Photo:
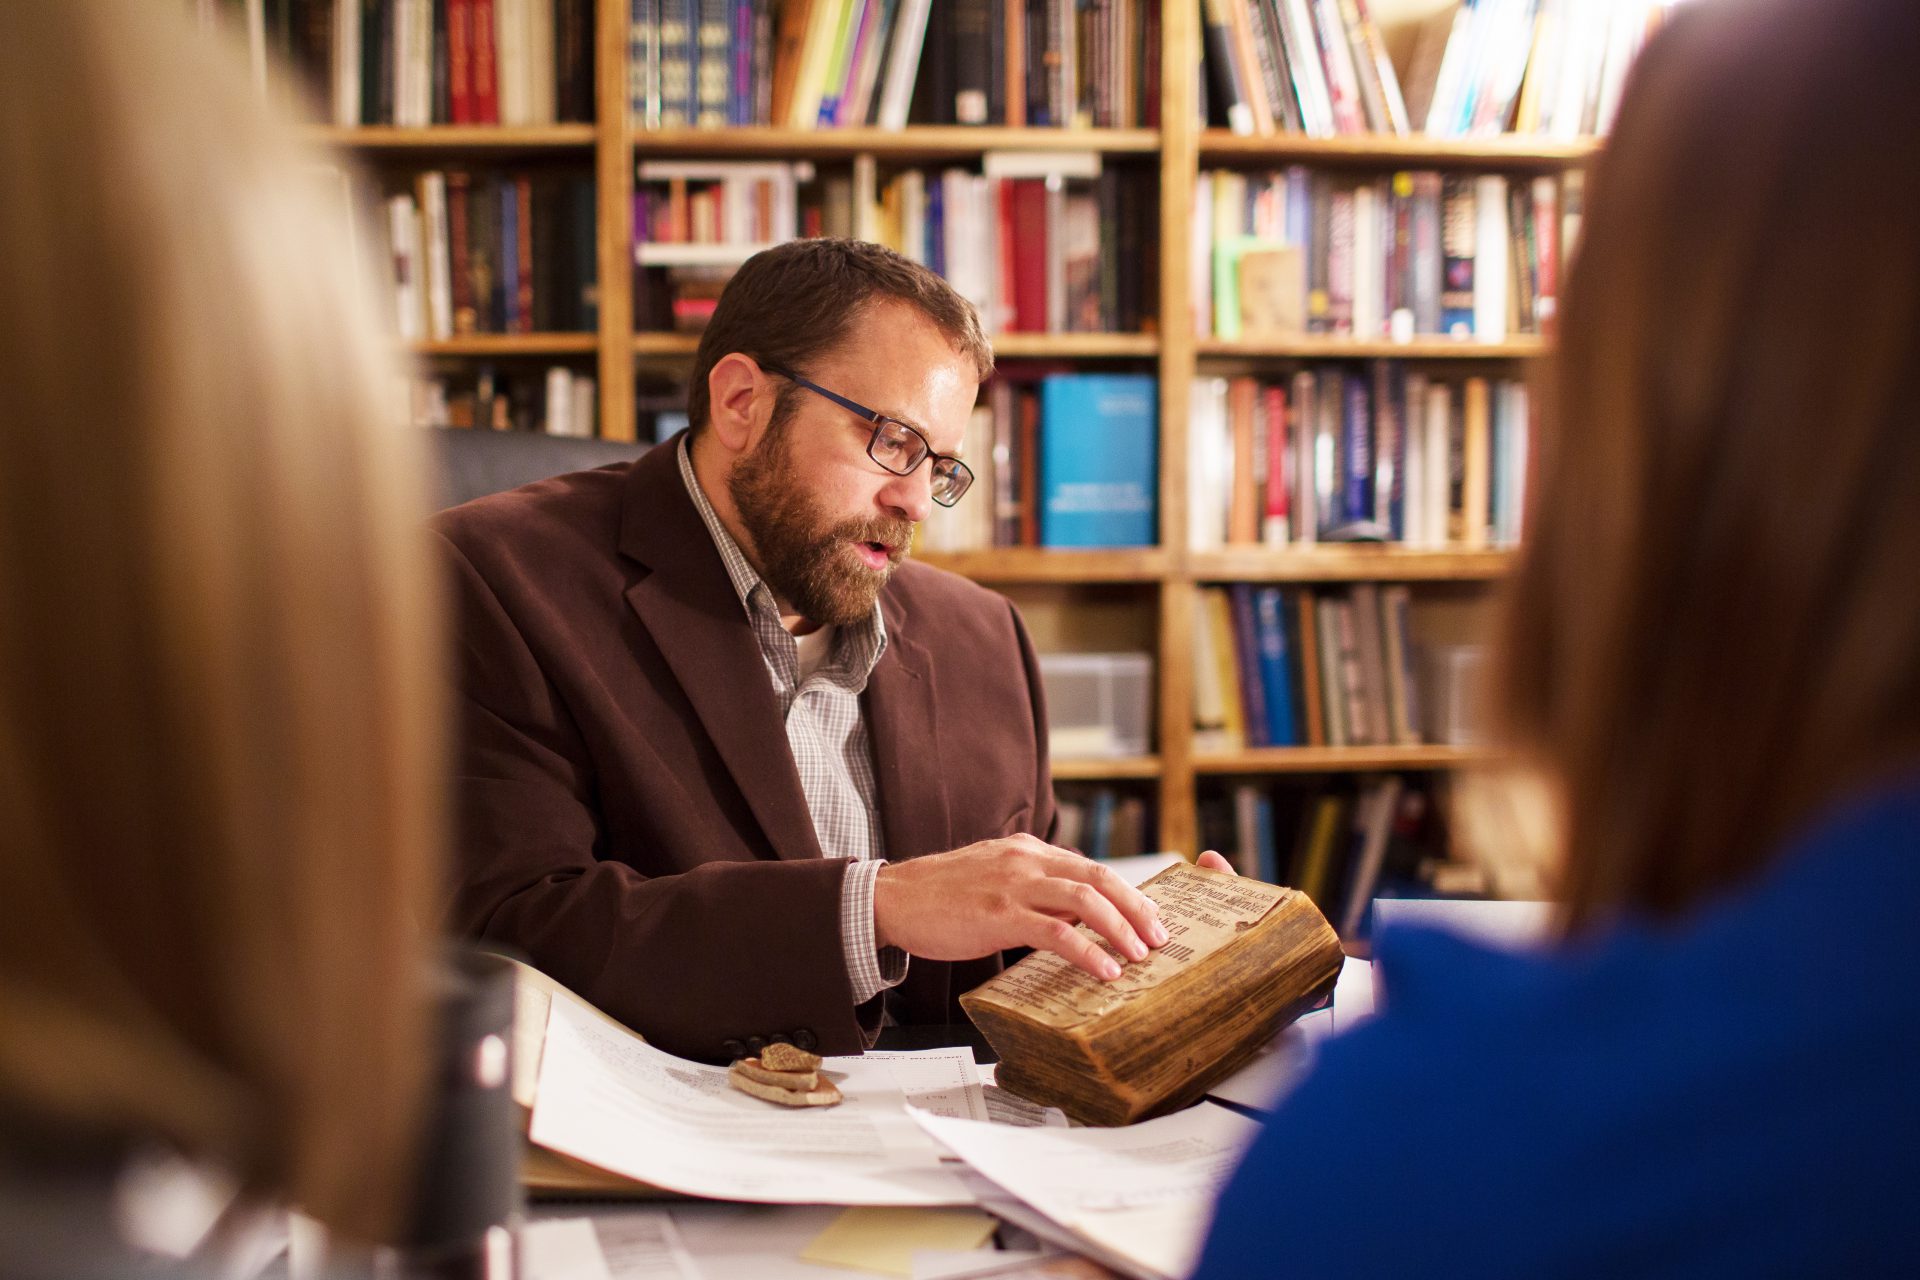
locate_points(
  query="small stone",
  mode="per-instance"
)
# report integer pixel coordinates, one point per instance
(784, 1057)
(798, 1081)
(826, 1095)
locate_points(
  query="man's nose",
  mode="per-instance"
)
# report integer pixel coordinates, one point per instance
(910, 496)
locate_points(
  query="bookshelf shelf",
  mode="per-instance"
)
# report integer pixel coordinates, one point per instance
(1359, 563)
(1304, 348)
(1006, 346)
(509, 344)
(456, 137)
(1338, 759)
(912, 143)
(1498, 151)
(1105, 769)
(1040, 564)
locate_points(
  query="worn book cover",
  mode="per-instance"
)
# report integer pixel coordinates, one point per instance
(1244, 958)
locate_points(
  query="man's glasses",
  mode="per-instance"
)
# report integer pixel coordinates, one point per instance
(898, 446)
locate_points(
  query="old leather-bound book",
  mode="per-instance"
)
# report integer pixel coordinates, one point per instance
(1243, 959)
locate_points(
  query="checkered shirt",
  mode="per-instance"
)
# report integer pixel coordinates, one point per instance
(827, 733)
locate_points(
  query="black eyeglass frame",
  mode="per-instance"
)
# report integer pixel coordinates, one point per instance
(960, 470)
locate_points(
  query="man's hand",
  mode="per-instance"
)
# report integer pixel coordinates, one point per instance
(1013, 892)
(1214, 862)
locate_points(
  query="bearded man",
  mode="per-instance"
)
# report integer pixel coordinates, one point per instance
(730, 766)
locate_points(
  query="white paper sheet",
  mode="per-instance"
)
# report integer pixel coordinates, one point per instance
(1352, 995)
(612, 1100)
(1142, 1195)
(643, 1244)
(562, 1250)
(1276, 1069)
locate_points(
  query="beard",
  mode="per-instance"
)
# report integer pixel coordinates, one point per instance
(809, 559)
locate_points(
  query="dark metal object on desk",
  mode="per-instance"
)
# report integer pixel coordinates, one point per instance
(469, 1185)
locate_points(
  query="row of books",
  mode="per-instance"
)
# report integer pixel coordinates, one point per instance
(1342, 843)
(822, 64)
(1549, 67)
(1316, 67)
(1477, 67)
(557, 401)
(1412, 254)
(1068, 461)
(475, 252)
(1038, 243)
(812, 64)
(415, 63)
(1318, 667)
(1357, 453)
(1032, 63)
(1101, 821)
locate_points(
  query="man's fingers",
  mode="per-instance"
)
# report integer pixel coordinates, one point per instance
(1214, 862)
(1139, 910)
(1076, 948)
(1085, 903)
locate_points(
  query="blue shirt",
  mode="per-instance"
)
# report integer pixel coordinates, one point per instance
(1731, 1095)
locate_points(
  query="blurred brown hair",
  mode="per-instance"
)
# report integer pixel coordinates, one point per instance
(795, 301)
(218, 721)
(1715, 626)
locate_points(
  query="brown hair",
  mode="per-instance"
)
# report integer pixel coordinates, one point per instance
(1713, 629)
(219, 720)
(789, 303)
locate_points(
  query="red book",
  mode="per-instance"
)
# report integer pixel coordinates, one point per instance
(460, 61)
(523, 233)
(1277, 456)
(465, 319)
(1027, 248)
(486, 81)
(1006, 246)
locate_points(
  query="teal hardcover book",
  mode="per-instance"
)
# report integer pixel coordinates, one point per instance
(1099, 460)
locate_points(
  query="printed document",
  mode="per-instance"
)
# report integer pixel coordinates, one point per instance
(607, 1097)
(1138, 1198)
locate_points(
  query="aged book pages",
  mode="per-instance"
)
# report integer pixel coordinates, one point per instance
(1243, 959)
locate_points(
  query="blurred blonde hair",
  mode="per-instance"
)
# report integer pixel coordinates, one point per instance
(219, 726)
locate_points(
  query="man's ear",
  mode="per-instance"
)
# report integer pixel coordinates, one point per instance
(735, 388)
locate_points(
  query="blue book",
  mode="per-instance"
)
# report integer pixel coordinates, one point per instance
(1099, 460)
(1356, 450)
(1246, 657)
(936, 255)
(509, 276)
(1276, 675)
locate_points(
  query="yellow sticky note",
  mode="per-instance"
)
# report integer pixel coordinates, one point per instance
(885, 1239)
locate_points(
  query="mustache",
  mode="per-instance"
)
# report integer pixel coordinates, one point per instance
(892, 534)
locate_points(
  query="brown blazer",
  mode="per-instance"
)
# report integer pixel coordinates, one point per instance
(628, 813)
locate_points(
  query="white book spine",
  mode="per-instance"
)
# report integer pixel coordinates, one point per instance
(1490, 259)
(866, 197)
(1056, 255)
(422, 62)
(913, 214)
(585, 406)
(1369, 266)
(346, 63)
(910, 30)
(403, 232)
(559, 401)
(1438, 462)
(439, 276)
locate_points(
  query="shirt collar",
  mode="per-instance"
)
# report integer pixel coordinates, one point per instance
(859, 645)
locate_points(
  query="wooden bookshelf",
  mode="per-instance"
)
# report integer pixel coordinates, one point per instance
(1507, 152)
(1523, 347)
(1323, 562)
(444, 138)
(1006, 346)
(1338, 759)
(509, 344)
(1105, 769)
(916, 142)
(1163, 580)
(1036, 564)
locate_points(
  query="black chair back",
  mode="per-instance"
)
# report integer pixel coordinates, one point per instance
(473, 463)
